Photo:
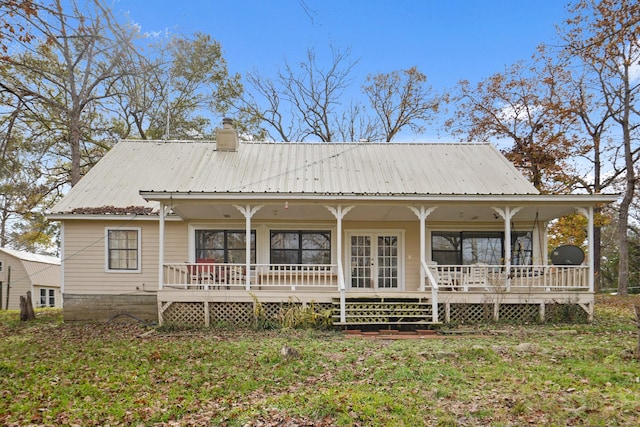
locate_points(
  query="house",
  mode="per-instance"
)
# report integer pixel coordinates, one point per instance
(23, 271)
(380, 233)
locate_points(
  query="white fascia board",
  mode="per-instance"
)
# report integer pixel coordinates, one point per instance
(97, 217)
(435, 198)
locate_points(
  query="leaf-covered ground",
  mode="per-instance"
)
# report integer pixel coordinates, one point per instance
(499, 375)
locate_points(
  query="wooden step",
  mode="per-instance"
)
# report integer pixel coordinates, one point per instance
(381, 311)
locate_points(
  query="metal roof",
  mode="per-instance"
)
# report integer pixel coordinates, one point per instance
(359, 169)
(28, 256)
(42, 270)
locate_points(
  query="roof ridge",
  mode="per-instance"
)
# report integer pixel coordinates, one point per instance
(312, 143)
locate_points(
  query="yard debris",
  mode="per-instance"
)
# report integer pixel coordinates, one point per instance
(526, 348)
(289, 352)
(147, 333)
(103, 210)
(277, 419)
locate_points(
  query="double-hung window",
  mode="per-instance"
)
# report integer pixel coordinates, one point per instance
(47, 297)
(123, 250)
(300, 247)
(224, 246)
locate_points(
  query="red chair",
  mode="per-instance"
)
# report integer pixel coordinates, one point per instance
(204, 273)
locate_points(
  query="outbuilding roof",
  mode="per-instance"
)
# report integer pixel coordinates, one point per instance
(358, 169)
(42, 270)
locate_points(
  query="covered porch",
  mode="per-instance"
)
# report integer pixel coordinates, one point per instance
(363, 272)
(451, 293)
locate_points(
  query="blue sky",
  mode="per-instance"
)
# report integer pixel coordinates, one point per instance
(448, 40)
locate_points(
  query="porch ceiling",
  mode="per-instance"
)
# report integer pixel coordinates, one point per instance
(284, 210)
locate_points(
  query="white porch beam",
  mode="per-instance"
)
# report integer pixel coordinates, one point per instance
(588, 212)
(339, 213)
(248, 213)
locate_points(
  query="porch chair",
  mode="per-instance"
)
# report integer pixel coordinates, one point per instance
(201, 274)
(444, 280)
(477, 277)
(236, 275)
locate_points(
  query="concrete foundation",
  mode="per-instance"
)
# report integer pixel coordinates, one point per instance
(101, 308)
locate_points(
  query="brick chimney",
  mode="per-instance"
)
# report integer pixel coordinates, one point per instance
(226, 137)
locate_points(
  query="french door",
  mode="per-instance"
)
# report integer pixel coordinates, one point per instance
(374, 260)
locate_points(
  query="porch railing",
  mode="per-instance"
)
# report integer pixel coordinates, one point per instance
(262, 276)
(519, 278)
(479, 277)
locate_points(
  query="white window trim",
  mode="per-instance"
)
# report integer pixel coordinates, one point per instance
(48, 291)
(218, 225)
(263, 235)
(269, 227)
(106, 249)
(401, 256)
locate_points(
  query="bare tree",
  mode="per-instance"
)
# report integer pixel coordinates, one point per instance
(173, 91)
(70, 68)
(605, 36)
(304, 101)
(401, 99)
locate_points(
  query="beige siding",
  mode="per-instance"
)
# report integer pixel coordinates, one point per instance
(176, 242)
(19, 282)
(85, 263)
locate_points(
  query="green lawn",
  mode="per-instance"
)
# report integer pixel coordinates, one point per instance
(107, 374)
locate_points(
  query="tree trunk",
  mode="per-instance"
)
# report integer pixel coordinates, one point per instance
(637, 313)
(630, 185)
(26, 308)
(597, 256)
(74, 142)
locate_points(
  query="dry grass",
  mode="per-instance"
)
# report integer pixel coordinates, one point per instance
(126, 374)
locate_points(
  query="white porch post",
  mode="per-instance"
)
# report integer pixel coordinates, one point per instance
(248, 212)
(590, 248)
(162, 213)
(507, 214)
(339, 212)
(422, 215)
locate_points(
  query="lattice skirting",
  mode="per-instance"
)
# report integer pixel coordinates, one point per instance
(246, 313)
(470, 313)
(235, 313)
(185, 313)
(565, 313)
(512, 313)
(519, 313)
